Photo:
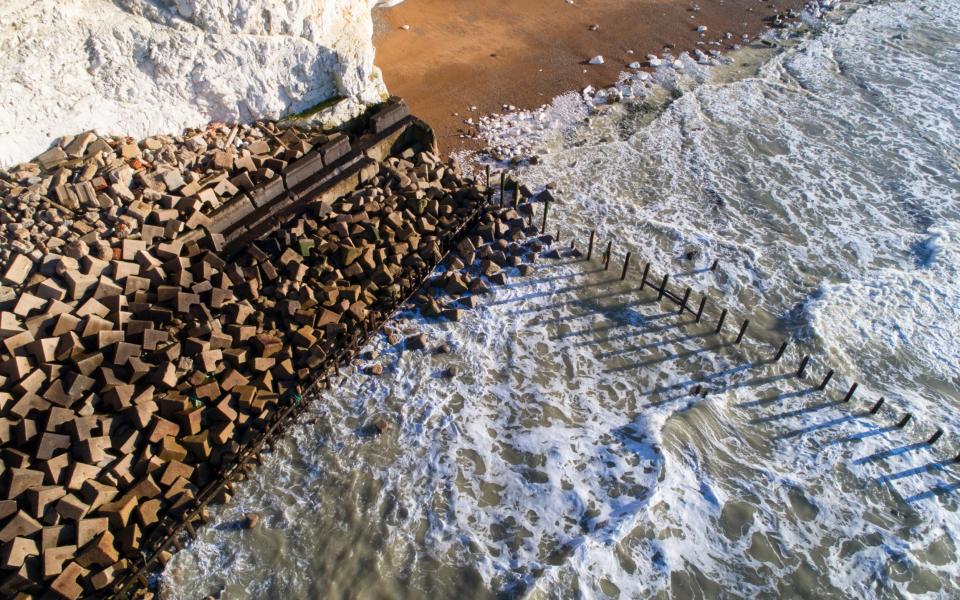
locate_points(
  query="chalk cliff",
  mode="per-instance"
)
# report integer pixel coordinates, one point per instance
(139, 67)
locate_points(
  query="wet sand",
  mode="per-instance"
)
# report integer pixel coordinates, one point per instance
(487, 53)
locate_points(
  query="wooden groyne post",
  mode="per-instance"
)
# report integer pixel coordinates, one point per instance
(780, 351)
(723, 317)
(850, 392)
(663, 287)
(826, 380)
(743, 330)
(703, 304)
(683, 303)
(803, 366)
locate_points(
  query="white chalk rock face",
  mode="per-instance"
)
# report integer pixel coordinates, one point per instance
(140, 67)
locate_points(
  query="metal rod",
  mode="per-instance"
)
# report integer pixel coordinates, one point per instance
(503, 177)
(488, 175)
(803, 366)
(853, 388)
(780, 351)
(876, 406)
(743, 330)
(903, 422)
(593, 234)
(936, 436)
(826, 380)
(663, 286)
(626, 264)
(723, 317)
(683, 303)
(606, 255)
(703, 303)
(546, 209)
(646, 271)
(558, 234)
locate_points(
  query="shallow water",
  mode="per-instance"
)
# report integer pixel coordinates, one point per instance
(571, 456)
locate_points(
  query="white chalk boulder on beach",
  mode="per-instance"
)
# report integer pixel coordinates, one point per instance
(634, 65)
(596, 60)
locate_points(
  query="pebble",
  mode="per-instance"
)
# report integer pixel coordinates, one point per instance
(251, 520)
(380, 425)
(376, 369)
(417, 342)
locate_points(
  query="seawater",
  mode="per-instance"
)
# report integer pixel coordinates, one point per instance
(570, 457)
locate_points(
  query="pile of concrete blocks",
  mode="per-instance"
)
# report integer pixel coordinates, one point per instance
(134, 367)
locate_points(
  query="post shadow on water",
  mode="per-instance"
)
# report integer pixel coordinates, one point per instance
(564, 303)
(940, 489)
(776, 397)
(892, 452)
(934, 466)
(640, 348)
(536, 281)
(796, 412)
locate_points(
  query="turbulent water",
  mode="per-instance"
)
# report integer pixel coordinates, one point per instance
(572, 455)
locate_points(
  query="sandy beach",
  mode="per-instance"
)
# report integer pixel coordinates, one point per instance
(488, 53)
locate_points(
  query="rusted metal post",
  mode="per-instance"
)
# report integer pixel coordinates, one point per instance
(723, 317)
(803, 366)
(850, 392)
(626, 265)
(606, 256)
(488, 175)
(703, 304)
(936, 436)
(646, 271)
(558, 235)
(683, 304)
(546, 208)
(593, 234)
(876, 407)
(826, 380)
(663, 286)
(780, 351)
(743, 330)
(503, 180)
(903, 422)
